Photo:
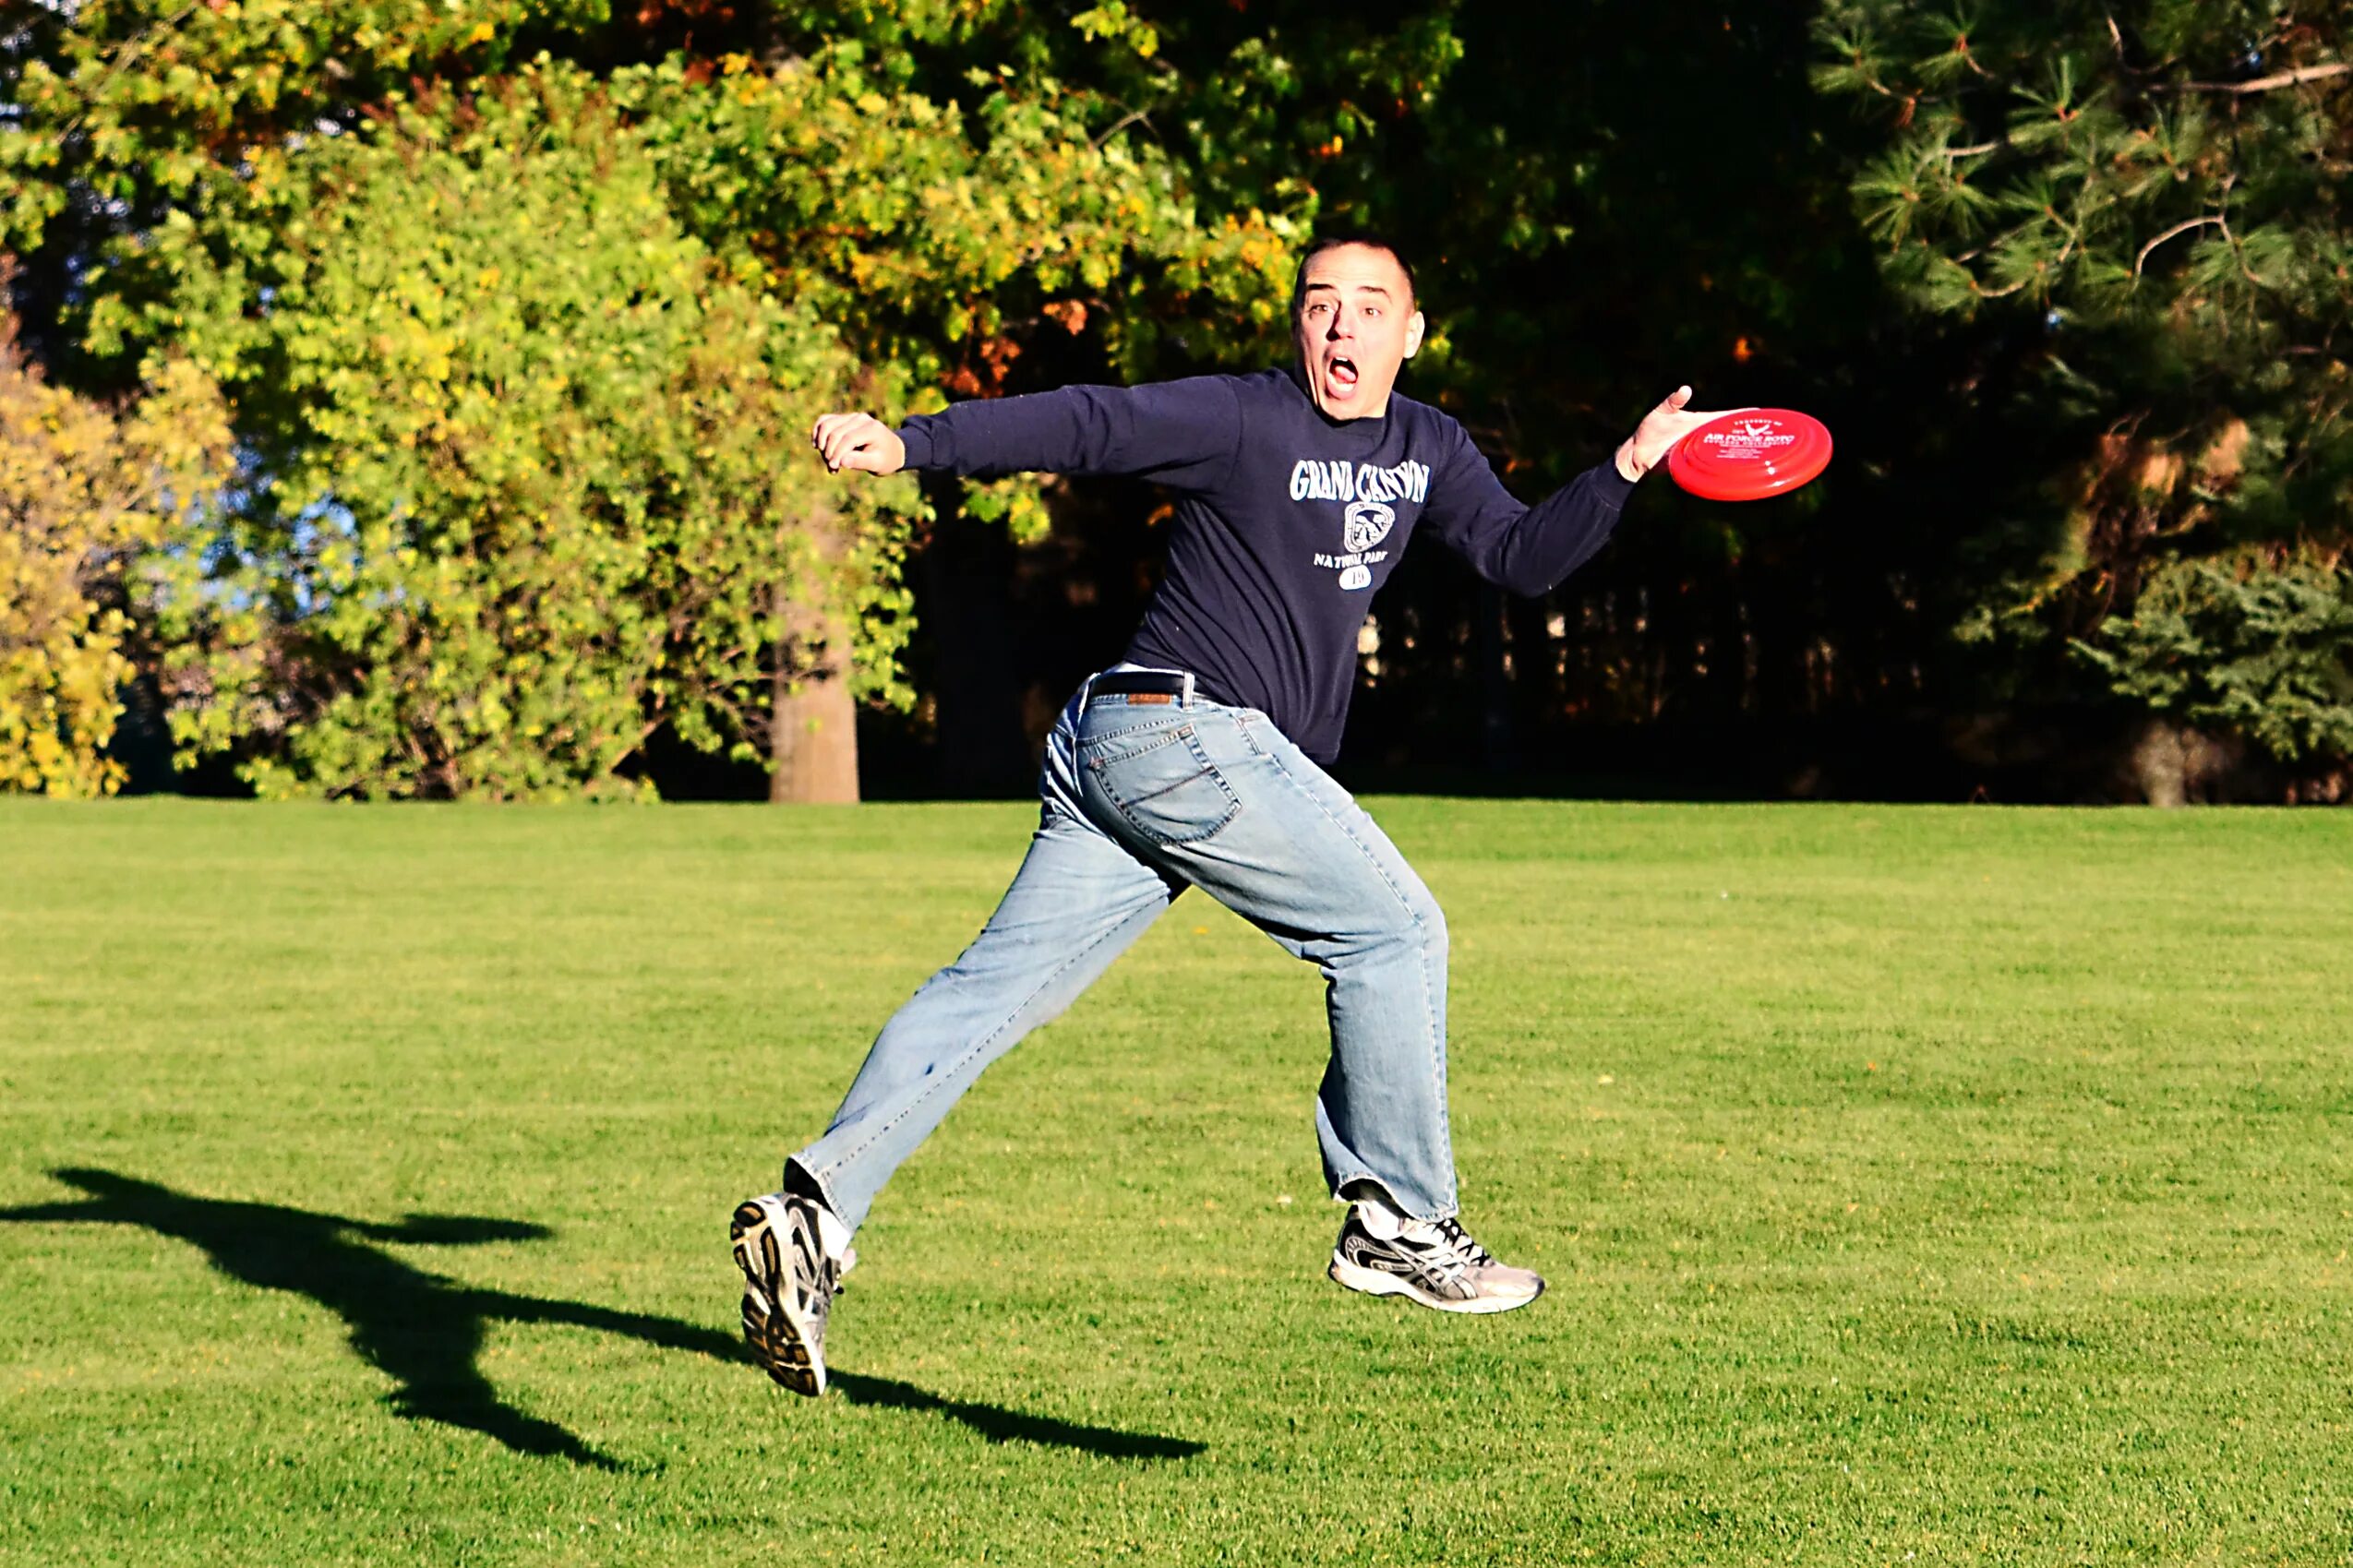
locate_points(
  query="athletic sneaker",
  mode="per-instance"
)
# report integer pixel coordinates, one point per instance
(790, 1286)
(1435, 1263)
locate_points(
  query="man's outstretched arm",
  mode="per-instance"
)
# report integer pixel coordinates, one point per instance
(1529, 549)
(1180, 433)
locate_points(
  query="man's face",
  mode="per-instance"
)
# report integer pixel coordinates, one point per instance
(1355, 325)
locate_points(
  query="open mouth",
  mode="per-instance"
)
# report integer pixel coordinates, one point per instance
(1341, 373)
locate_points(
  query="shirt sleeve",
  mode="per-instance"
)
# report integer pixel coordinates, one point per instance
(1184, 434)
(1525, 549)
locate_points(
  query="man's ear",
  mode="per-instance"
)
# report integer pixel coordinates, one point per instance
(1413, 330)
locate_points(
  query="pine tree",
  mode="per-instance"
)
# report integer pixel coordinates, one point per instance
(2145, 214)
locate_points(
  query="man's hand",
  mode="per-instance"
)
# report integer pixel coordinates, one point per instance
(1660, 428)
(859, 442)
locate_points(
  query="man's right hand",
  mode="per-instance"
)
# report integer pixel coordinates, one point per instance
(859, 442)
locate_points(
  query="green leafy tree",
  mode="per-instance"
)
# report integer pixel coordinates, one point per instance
(2266, 653)
(524, 499)
(2142, 212)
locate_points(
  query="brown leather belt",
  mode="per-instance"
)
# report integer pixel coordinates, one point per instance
(1143, 686)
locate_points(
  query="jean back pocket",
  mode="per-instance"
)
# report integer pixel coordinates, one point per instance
(1162, 784)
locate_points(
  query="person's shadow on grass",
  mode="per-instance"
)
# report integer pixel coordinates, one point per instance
(425, 1331)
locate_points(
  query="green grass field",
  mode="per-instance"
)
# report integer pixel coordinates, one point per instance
(1916, 1185)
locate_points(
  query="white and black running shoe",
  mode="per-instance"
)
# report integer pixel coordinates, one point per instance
(1435, 1263)
(790, 1286)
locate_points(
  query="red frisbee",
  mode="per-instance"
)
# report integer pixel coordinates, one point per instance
(1750, 455)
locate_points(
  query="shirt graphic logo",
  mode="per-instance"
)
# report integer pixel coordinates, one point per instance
(1339, 480)
(1365, 524)
(1367, 516)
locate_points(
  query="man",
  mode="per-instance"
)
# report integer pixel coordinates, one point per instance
(1196, 762)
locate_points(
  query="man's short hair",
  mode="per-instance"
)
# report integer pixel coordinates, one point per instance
(1364, 237)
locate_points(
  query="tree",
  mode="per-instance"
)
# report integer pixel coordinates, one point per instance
(85, 494)
(170, 184)
(2142, 213)
(524, 502)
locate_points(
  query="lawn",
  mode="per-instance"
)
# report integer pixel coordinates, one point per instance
(1923, 1186)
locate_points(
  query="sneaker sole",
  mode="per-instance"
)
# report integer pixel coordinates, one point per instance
(1373, 1282)
(777, 1333)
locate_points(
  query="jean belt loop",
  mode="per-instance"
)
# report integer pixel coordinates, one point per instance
(1188, 689)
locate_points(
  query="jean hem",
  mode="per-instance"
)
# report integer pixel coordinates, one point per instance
(1360, 1173)
(804, 1181)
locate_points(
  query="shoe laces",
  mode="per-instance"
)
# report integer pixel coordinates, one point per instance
(1448, 1246)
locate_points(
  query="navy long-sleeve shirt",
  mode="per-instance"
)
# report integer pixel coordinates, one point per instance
(1286, 524)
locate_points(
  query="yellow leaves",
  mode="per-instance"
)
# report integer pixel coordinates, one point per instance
(1114, 21)
(86, 494)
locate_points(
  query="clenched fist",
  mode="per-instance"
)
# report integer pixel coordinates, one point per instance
(859, 442)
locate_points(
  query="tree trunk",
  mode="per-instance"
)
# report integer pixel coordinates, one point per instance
(2174, 765)
(813, 724)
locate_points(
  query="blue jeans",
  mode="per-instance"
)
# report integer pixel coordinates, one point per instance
(1145, 797)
